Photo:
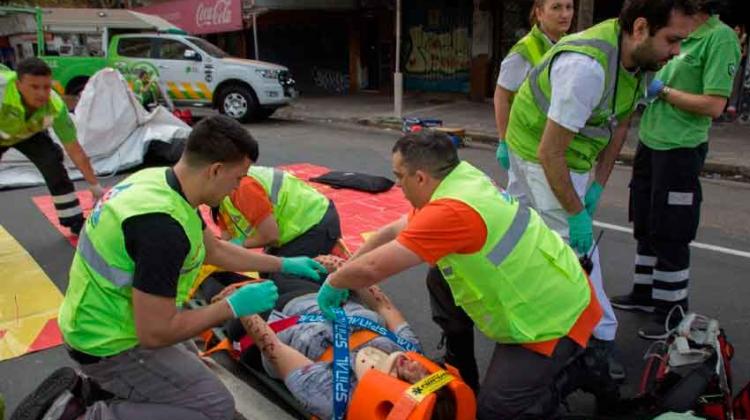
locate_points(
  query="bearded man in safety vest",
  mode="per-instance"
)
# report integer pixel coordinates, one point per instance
(29, 107)
(515, 278)
(137, 260)
(571, 116)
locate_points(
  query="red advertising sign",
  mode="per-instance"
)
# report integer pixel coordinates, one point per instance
(199, 16)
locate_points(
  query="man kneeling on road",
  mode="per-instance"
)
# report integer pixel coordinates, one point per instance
(513, 276)
(137, 259)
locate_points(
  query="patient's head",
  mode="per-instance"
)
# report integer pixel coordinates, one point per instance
(406, 369)
(399, 365)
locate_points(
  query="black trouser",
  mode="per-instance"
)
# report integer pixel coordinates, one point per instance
(665, 199)
(48, 158)
(458, 328)
(318, 240)
(519, 382)
(523, 384)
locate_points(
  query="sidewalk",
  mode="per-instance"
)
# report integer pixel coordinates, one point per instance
(729, 147)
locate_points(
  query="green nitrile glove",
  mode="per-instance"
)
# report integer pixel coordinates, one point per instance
(303, 267)
(502, 155)
(253, 298)
(581, 232)
(593, 194)
(330, 297)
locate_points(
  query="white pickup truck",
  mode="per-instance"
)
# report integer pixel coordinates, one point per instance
(195, 72)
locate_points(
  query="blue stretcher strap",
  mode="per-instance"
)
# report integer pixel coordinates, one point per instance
(368, 324)
(341, 364)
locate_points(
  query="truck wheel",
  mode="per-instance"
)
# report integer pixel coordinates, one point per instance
(238, 102)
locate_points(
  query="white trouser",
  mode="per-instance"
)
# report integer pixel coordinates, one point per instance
(528, 184)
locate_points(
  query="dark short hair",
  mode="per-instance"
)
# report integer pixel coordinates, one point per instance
(656, 12)
(428, 150)
(219, 139)
(33, 66)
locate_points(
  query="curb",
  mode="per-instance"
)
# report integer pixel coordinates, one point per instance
(626, 156)
(735, 172)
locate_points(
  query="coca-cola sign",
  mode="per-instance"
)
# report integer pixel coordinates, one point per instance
(200, 16)
(218, 13)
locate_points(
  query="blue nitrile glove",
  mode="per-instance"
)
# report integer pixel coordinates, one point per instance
(654, 89)
(593, 194)
(581, 232)
(238, 241)
(253, 298)
(502, 155)
(303, 267)
(330, 297)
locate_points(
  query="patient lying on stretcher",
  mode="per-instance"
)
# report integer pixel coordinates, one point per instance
(300, 356)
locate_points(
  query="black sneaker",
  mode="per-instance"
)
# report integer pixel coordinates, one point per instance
(633, 302)
(56, 391)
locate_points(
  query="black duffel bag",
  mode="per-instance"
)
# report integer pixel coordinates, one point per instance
(355, 180)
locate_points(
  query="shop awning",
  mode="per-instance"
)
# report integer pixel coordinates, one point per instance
(72, 20)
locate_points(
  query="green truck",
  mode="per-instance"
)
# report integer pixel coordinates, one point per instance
(76, 43)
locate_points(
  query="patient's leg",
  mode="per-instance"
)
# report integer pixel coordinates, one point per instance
(282, 357)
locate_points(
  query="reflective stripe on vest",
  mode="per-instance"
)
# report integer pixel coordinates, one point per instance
(512, 237)
(277, 180)
(594, 131)
(114, 275)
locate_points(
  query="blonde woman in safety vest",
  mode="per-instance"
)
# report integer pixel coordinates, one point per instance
(550, 20)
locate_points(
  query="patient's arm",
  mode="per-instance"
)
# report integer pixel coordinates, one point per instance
(374, 298)
(284, 358)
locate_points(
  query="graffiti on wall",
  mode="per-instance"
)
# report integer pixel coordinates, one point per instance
(439, 53)
(330, 80)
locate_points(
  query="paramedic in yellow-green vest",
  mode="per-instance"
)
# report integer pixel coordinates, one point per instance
(274, 209)
(550, 20)
(137, 259)
(571, 117)
(29, 107)
(665, 190)
(516, 279)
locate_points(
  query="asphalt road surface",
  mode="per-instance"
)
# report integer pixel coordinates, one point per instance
(719, 271)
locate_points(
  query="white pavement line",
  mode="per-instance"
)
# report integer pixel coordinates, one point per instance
(699, 245)
(247, 401)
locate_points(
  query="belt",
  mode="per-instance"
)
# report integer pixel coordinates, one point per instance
(83, 358)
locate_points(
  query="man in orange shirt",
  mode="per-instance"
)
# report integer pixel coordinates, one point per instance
(274, 209)
(505, 272)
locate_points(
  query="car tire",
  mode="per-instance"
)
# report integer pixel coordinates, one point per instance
(238, 102)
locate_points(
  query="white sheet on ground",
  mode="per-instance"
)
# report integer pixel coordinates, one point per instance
(113, 128)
